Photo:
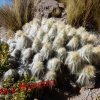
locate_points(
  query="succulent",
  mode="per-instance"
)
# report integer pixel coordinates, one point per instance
(10, 74)
(37, 69)
(87, 75)
(55, 44)
(26, 55)
(46, 47)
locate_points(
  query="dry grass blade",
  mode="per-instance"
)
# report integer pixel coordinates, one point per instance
(16, 15)
(82, 12)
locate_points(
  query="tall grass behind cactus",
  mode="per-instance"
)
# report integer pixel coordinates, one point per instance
(79, 12)
(16, 15)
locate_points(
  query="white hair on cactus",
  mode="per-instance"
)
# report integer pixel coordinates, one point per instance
(40, 34)
(37, 69)
(33, 30)
(36, 45)
(35, 20)
(67, 28)
(84, 38)
(58, 42)
(92, 39)
(62, 54)
(54, 64)
(46, 51)
(62, 34)
(12, 46)
(73, 61)
(86, 52)
(10, 74)
(23, 42)
(50, 75)
(10, 41)
(26, 55)
(46, 27)
(80, 30)
(18, 34)
(96, 50)
(21, 71)
(87, 75)
(37, 57)
(15, 53)
(73, 43)
(71, 33)
(26, 28)
(96, 54)
(44, 20)
(52, 32)
(46, 39)
(60, 26)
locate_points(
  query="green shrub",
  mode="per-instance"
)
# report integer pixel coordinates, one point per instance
(4, 64)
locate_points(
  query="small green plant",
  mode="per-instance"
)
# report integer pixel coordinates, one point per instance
(4, 64)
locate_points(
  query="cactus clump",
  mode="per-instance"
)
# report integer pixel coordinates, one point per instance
(46, 49)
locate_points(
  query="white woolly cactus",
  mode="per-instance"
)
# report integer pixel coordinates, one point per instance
(92, 39)
(86, 52)
(36, 46)
(67, 28)
(73, 43)
(54, 64)
(23, 42)
(34, 28)
(26, 55)
(58, 42)
(9, 75)
(71, 33)
(18, 34)
(74, 62)
(15, 53)
(38, 57)
(50, 75)
(96, 54)
(60, 26)
(46, 51)
(53, 44)
(80, 30)
(84, 38)
(87, 75)
(44, 20)
(62, 54)
(47, 25)
(52, 32)
(26, 28)
(37, 69)
(40, 34)
(46, 39)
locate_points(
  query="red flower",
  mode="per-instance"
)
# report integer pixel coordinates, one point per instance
(33, 85)
(13, 89)
(1, 90)
(22, 86)
(40, 84)
(45, 83)
(5, 91)
(52, 83)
